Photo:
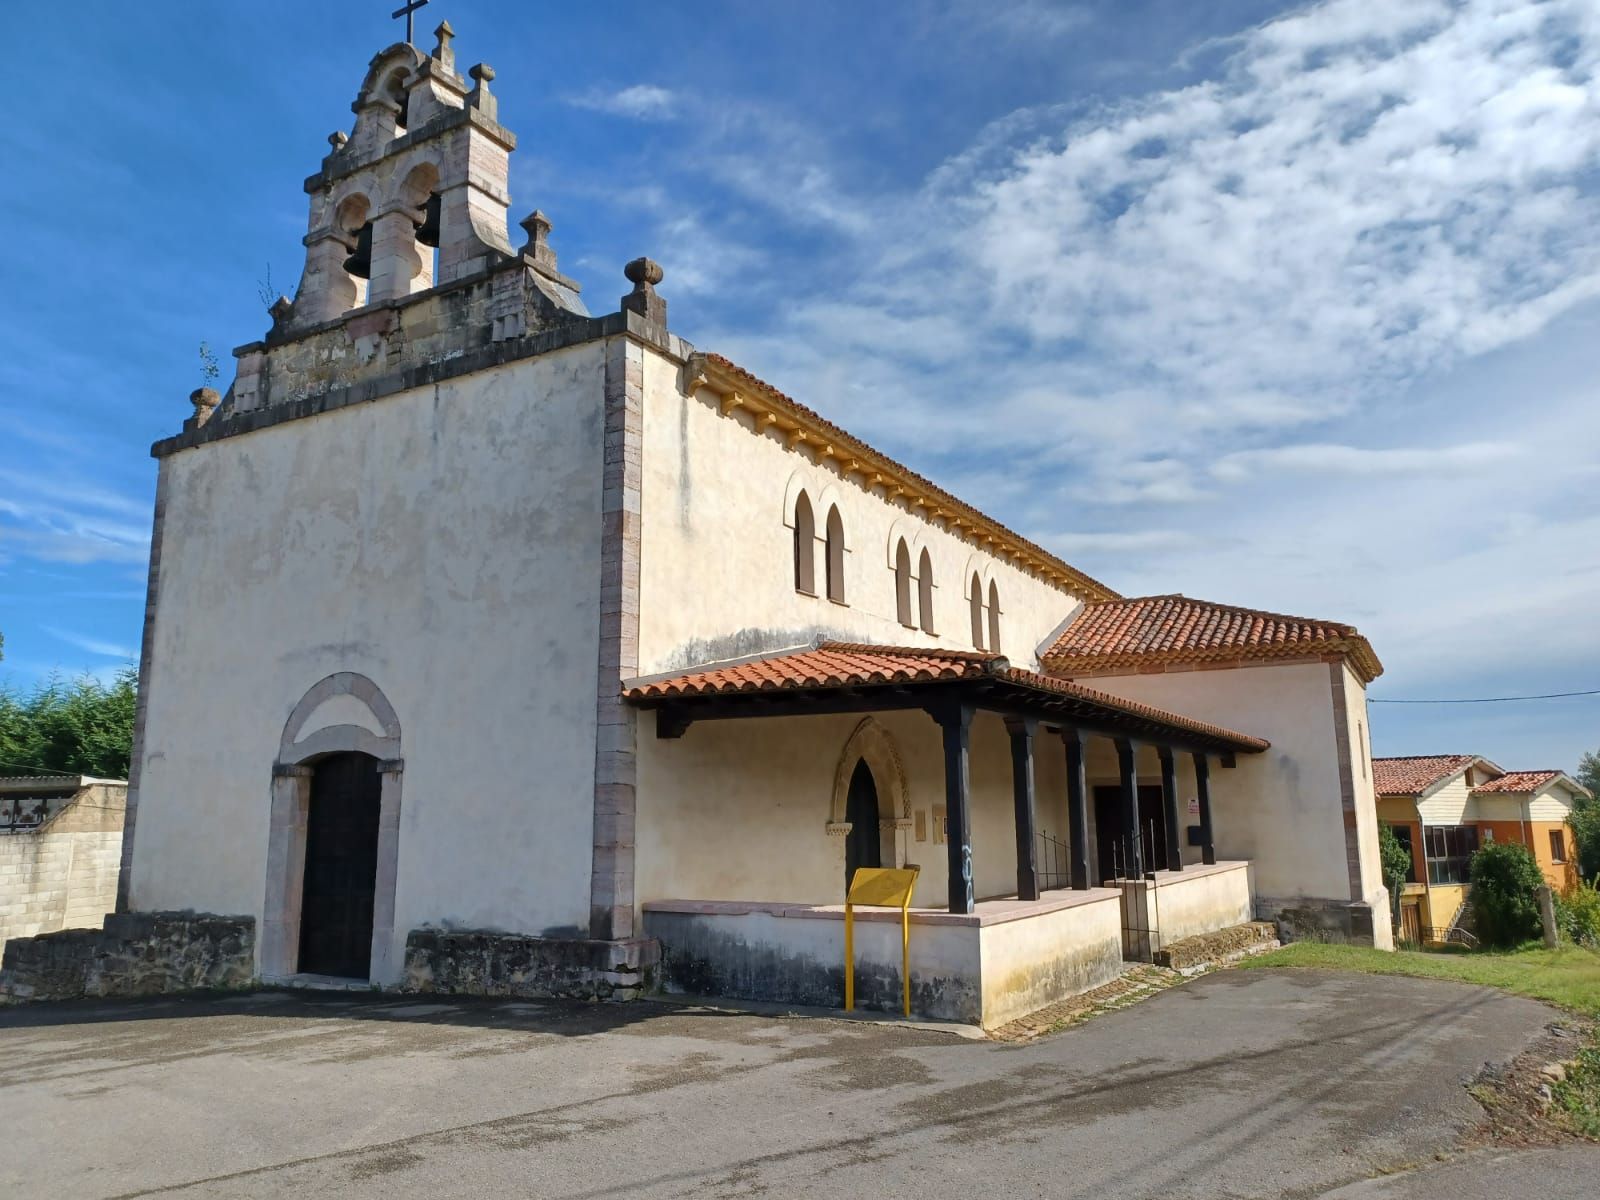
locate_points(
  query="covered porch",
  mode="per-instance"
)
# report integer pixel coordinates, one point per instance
(1091, 817)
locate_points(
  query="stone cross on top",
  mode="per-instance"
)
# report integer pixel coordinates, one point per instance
(405, 10)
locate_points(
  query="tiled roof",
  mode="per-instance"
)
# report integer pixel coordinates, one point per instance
(832, 665)
(1412, 776)
(1157, 630)
(929, 496)
(1518, 781)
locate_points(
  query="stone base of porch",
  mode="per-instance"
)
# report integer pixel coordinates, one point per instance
(1008, 958)
(488, 963)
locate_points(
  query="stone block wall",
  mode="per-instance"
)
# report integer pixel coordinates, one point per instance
(63, 873)
(505, 964)
(135, 954)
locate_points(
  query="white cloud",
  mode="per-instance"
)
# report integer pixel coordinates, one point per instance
(1467, 461)
(92, 645)
(640, 101)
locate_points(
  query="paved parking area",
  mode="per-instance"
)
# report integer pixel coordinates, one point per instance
(1239, 1084)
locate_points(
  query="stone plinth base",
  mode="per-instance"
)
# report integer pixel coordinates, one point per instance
(135, 954)
(508, 964)
(1307, 919)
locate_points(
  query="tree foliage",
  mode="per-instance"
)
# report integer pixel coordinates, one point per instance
(1505, 893)
(1396, 859)
(81, 727)
(1584, 819)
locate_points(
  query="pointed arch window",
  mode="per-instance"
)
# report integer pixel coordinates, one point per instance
(977, 611)
(902, 585)
(925, 591)
(805, 547)
(835, 556)
(994, 618)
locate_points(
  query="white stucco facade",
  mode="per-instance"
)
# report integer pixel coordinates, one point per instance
(444, 543)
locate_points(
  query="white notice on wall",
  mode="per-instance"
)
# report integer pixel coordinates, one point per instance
(1194, 806)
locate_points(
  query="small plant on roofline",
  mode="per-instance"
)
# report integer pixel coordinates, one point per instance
(209, 371)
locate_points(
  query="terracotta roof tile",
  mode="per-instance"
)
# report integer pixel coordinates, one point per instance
(1149, 630)
(1085, 585)
(1414, 775)
(849, 664)
(1518, 781)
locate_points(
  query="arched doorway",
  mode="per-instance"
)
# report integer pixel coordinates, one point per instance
(863, 845)
(341, 866)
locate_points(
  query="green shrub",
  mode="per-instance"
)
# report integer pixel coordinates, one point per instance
(1578, 915)
(1505, 894)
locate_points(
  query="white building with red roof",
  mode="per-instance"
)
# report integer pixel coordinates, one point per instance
(494, 646)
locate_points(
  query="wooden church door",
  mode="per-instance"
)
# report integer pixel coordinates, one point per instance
(341, 867)
(863, 846)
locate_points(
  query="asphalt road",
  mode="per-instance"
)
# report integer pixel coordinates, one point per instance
(1239, 1084)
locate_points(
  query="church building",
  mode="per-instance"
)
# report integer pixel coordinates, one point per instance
(494, 646)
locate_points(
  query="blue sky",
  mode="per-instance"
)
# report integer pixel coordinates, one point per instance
(1292, 306)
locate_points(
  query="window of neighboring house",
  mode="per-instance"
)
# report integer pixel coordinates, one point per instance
(994, 618)
(1449, 852)
(902, 585)
(977, 611)
(925, 591)
(805, 547)
(1402, 834)
(1558, 846)
(835, 553)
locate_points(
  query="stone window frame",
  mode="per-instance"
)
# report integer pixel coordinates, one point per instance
(805, 545)
(925, 592)
(902, 585)
(291, 798)
(975, 605)
(994, 616)
(833, 551)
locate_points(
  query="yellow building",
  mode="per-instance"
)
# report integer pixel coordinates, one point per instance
(1443, 807)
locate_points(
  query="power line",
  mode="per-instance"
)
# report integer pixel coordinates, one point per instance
(1489, 699)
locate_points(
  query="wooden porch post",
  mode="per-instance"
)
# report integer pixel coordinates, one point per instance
(1169, 808)
(1077, 809)
(1202, 785)
(1126, 754)
(1022, 730)
(956, 722)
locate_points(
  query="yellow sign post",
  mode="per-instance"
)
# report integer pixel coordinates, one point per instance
(879, 887)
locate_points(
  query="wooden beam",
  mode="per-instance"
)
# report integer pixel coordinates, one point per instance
(1022, 735)
(1077, 809)
(956, 724)
(1202, 786)
(1169, 807)
(1133, 844)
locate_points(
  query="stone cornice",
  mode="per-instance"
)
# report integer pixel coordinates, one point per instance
(576, 332)
(799, 426)
(342, 163)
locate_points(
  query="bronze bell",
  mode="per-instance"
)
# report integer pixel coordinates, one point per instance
(359, 263)
(428, 231)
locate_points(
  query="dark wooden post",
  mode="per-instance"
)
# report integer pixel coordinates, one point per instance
(1202, 791)
(1127, 752)
(1022, 730)
(1077, 809)
(1169, 808)
(956, 722)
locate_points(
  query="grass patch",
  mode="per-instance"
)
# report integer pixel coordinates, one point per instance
(1568, 977)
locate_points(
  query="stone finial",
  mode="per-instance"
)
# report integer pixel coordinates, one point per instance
(442, 51)
(280, 312)
(538, 248)
(205, 401)
(479, 97)
(337, 139)
(644, 274)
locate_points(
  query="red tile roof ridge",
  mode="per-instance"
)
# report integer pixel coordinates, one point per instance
(1518, 781)
(1092, 586)
(1243, 609)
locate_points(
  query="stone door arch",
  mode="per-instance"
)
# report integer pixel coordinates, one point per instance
(345, 712)
(871, 743)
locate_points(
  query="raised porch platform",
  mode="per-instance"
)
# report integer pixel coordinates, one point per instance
(1004, 959)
